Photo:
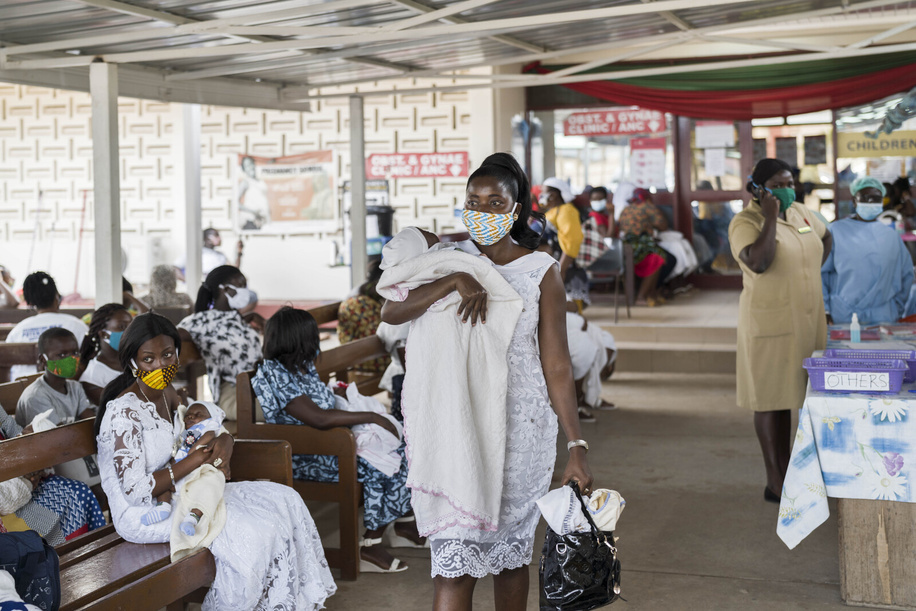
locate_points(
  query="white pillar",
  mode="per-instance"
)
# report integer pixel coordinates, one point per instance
(106, 186)
(359, 259)
(187, 190)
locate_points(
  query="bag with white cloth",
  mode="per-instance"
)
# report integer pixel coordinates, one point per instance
(685, 258)
(579, 568)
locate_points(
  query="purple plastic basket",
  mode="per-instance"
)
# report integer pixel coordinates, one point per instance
(904, 355)
(820, 367)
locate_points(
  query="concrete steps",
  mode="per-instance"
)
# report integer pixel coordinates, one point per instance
(675, 349)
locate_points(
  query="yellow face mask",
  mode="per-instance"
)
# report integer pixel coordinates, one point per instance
(158, 379)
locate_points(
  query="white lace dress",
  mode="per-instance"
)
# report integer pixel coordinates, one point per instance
(530, 447)
(269, 554)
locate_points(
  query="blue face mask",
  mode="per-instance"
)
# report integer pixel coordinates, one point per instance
(114, 339)
(868, 212)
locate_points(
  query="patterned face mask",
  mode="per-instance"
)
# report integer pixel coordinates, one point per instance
(158, 379)
(488, 228)
(63, 368)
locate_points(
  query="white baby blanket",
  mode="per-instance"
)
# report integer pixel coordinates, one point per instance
(374, 443)
(454, 397)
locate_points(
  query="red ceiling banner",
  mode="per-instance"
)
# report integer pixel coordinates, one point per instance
(746, 104)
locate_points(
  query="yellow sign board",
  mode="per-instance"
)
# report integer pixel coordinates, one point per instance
(857, 144)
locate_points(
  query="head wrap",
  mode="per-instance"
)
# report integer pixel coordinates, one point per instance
(867, 182)
(639, 195)
(561, 186)
(407, 244)
(765, 170)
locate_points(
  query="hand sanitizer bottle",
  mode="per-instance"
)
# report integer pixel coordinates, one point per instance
(855, 331)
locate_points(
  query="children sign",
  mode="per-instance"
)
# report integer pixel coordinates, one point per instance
(417, 165)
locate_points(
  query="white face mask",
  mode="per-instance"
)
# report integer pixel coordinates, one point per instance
(242, 297)
(599, 204)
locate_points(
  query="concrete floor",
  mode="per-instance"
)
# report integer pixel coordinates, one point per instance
(696, 533)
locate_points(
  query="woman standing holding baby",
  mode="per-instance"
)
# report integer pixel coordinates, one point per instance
(497, 208)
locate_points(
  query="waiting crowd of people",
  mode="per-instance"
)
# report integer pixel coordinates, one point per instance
(527, 269)
(161, 455)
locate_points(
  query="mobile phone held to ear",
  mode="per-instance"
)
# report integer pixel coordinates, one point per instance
(760, 190)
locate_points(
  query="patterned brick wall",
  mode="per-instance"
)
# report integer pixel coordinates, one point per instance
(45, 146)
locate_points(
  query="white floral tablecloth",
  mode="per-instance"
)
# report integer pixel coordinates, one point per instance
(852, 446)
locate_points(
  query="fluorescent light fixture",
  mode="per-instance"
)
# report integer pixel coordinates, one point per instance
(822, 116)
(767, 122)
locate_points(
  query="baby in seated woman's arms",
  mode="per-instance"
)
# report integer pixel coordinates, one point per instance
(202, 424)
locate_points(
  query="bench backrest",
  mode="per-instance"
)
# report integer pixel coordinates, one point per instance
(27, 453)
(17, 315)
(11, 391)
(326, 313)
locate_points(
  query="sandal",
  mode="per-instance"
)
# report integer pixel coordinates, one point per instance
(393, 539)
(367, 566)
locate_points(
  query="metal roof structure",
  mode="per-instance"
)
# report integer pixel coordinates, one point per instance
(284, 53)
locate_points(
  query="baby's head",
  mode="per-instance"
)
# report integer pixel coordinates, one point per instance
(199, 411)
(407, 244)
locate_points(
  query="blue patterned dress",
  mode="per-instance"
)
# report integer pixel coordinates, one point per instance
(384, 498)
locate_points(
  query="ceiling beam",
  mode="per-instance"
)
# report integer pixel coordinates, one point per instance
(470, 29)
(672, 19)
(605, 61)
(539, 80)
(532, 57)
(429, 14)
(903, 27)
(511, 41)
(774, 44)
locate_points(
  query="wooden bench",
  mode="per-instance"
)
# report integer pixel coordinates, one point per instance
(101, 571)
(175, 314)
(339, 442)
(16, 354)
(11, 391)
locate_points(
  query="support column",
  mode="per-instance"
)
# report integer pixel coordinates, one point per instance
(106, 185)
(359, 259)
(549, 149)
(187, 190)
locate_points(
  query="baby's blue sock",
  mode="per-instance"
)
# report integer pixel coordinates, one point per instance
(189, 525)
(157, 514)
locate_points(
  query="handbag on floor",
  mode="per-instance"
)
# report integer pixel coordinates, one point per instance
(579, 571)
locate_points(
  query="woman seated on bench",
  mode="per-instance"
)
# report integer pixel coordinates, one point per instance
(99, 350)
(290, 392)
(269, 554)
(56, 507)
(228, 343)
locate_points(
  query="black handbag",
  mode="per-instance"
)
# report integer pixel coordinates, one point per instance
(579, 571)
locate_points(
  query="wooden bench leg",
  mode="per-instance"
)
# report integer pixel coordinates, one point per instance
(349, 531)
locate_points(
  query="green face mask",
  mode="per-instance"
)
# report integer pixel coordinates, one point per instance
(785, 196)
(63, 368)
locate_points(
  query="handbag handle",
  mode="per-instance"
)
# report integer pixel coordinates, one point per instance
(588, 516)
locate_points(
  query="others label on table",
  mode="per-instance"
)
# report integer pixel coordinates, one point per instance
(862, 381)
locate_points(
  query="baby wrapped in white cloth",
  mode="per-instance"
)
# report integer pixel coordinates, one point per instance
(199, 494)
(455, 385)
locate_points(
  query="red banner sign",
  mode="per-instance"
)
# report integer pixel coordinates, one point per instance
(417, 165)
(615, 122)
(641, 144)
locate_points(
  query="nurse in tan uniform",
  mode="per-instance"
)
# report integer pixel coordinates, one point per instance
(780, 246)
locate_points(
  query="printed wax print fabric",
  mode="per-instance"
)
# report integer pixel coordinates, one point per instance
(359, 317)
(73, 501)
(228, 344)
(852, 446)
(640, 218)
(384, 498)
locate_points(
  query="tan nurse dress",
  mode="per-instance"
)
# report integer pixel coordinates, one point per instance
(781, 316)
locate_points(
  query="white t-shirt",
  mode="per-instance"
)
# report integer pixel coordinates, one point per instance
(210, 259)
(32, 327)
(98, 374)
